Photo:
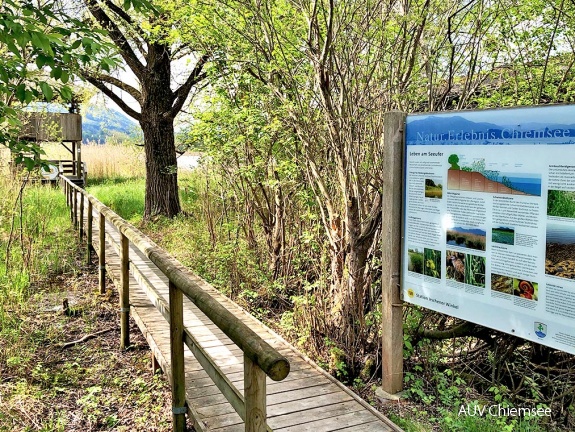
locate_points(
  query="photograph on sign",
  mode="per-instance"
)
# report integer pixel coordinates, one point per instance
(489, 219)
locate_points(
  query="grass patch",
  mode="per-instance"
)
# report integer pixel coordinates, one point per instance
(89, 386)
(463, 238)
(561, 203)
(124, 196)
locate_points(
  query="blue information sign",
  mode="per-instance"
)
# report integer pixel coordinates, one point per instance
(489, 221)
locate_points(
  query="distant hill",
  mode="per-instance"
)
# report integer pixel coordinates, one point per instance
(99, 123)
(475, 231)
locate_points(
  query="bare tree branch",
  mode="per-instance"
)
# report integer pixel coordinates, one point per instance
(110, 93)
(136, 29)
(135, 93)
(182, 93)
(118, 37)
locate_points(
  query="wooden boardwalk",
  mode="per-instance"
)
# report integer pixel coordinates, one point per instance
(309, 399)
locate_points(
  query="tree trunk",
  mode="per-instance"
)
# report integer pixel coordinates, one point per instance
(161, 168)
(157, 124)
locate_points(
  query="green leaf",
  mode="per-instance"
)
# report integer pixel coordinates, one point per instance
(57, 73)
(64, 77)
(39, 40)
(76, 44)
(29, 163)
(4, 76)
(14, 50)
(20, 92)
(66, 93)
(28, 96)
(46, 90)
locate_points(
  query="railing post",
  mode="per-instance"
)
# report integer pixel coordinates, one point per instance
(124, 292)
(70, 203)
(65, 184)
(177, 355)
(81, 221)
(254, 396)
(75, 197)
(102, 254)
(89, 223)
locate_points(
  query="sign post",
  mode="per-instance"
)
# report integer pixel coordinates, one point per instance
(392, 310)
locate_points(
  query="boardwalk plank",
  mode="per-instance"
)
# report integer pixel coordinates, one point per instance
(353, 419)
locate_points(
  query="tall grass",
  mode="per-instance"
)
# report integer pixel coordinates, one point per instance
(561, 203)
(36, 245)
(35, 235)
(104, 162)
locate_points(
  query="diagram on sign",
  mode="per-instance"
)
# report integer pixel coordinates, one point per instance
(476, 178)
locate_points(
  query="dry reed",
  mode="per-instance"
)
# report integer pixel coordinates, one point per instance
(105, 161)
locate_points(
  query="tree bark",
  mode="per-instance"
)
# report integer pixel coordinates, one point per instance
(158, 127)
(161, 168)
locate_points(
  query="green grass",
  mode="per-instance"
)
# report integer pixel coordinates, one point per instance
(90, 386)
(124, 196)
(415, 262)
(214, 252)
(475, 270)
(39, 236)
(561, 203)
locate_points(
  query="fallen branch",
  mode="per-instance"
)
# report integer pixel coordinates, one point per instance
(86, 338)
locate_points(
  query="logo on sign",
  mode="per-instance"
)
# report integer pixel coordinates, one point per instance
(410, 293)
(540, 329)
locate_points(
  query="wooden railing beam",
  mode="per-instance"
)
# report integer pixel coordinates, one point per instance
(75, 208)
(81, 219)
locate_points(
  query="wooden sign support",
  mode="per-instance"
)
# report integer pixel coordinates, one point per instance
(392, 308)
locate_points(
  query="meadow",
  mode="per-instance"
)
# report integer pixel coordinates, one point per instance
(415, 260)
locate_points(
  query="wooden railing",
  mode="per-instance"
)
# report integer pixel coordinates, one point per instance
(260, 359)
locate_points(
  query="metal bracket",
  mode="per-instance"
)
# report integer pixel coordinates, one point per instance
(102, 267)
(180, 410)
(125, 309)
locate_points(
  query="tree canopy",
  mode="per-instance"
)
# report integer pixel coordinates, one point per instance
(40, 57)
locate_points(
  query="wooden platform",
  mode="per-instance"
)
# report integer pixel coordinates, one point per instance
(307, 400)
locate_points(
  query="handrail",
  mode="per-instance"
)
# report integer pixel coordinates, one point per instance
(258, 354)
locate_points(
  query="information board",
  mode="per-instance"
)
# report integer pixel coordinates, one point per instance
(489, 219)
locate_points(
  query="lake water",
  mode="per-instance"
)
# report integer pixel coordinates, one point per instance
(559, 233)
